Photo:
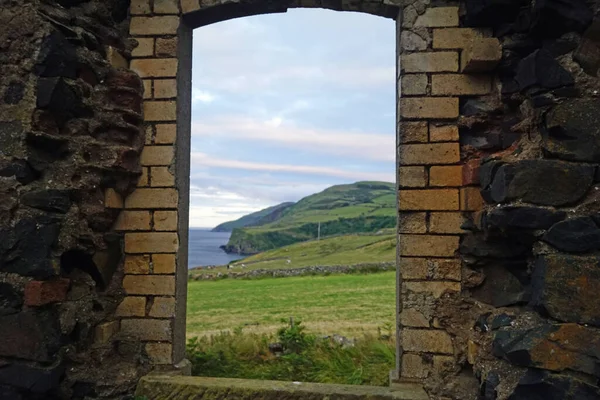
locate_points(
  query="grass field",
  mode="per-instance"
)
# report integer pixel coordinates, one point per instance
(341, 250)
(349, 305)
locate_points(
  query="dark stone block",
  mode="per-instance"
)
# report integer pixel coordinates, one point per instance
(48, 200)
(61, 99)
(500, 288)
(553, 18)
(541, 385)
(10, 134)
(488, 387)
(578, 235)
(541, 70)
(30, 335)
(492, 13)
(566, 287)
(542, 182)
(588, 52)
(21, 170)
(57, 57)
(572, 130)
(10, 300)
(502, 321)
(25, 249)
(482, 322)
(478, 246)
(518, 218)
(36, 380)
(14, 92)
(554, 347)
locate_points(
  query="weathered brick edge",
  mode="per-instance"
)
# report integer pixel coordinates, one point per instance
(432, 200)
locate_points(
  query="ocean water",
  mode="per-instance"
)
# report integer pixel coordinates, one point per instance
(204, 248)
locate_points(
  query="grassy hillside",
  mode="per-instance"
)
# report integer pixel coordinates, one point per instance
(342, 209)
(339, 250)
(257, 218)
(349, 305)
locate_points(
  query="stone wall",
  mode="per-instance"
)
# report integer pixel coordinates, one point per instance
(498, 153)
(70, 139)
(521, 321)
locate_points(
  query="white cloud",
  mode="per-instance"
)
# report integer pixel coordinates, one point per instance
(205, 160)
(202, 96)
(372, 146)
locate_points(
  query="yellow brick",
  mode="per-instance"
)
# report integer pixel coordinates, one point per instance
(164, 263)
(166, 47)
(112, 199)
(132, 307)
(435, 288)
(156, 155)
(428, 245)
(163, 307)
(160, 111)
(151, 242)
(133, 221)
(145, 47)
(482, 55)
(470, 199)
(427, 154)
(155, 67)
(159, 353)
(427, 341)
(166, 25)
(149, 285)
(412, 223)
(414, 84)
(143, 180)
(430, 269)
(429, 107)
(460, 85)
(137, 264)
(147, 329)
(140, 7)
(162, 177)
(104, 332)
(413, 318)
(190, 5)
(448, 175)
(165, 88)
(429, 199)
(115, 58)
(446, 222)
(166, 133)
(446, 61)
(152, 198)
(437, 17)
(455, 38)
(166, 7)
(412, 176)
(147, 88)
(165, 221)
(443, 133)
(413, 132)
(413, 366)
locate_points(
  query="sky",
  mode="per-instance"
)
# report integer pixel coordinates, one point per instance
(286, 105)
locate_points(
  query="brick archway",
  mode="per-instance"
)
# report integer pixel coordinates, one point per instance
(429, 43)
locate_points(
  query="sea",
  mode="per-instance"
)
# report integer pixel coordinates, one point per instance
(203, 248)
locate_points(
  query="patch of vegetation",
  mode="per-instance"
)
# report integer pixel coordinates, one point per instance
(349, 305)
(361, 207)
(293, 355)
(339, 250)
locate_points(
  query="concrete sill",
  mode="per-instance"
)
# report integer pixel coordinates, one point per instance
(161, 387)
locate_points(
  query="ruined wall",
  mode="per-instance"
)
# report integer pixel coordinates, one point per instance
(70, 139)
(522, 320)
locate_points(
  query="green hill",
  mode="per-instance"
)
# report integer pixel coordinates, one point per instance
(257, 218)
(361, 207)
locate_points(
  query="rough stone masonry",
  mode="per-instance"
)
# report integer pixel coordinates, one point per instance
(498, 176)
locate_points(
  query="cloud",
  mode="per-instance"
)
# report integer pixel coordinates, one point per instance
(202, 96)
(372, 146)
(205, 160)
